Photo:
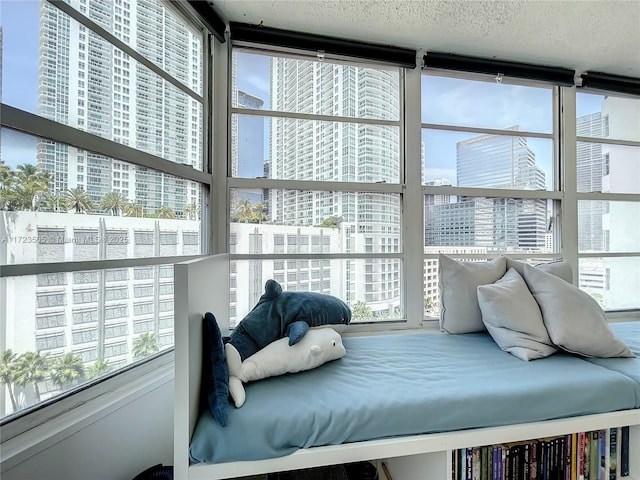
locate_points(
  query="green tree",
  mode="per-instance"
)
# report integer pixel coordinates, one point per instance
(331, 222)
(55, 202)
(67, 370)
(79, 200)
(31, 368)
(25, 187)
(165, 212)
(7, 374)
(114, 203)
(191, 211)
(98, 369)
(361, 311)
(145, 345)
(244, 211)
(134, 209)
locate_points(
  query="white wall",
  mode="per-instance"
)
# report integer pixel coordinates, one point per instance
(116, 447)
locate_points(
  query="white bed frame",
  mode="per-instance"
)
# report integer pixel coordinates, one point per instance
(202, 285)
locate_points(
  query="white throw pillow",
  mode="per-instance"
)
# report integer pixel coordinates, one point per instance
(559, 268)
(458, 281)
(574, 320)
(513, 318)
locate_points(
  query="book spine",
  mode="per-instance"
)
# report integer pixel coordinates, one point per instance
(587, 445)
(602, 443)
(475, 463)
(526, 459)
(468, 463)
(594, 456)
(462, 469)
(533, 462)
(613, 453)
(580, 456)
(483, 463)
(574, 457)
(624, 452)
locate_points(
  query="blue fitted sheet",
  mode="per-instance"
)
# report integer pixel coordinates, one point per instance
(629, 333)
(393, 385)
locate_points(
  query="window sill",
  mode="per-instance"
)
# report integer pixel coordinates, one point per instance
(29, 435)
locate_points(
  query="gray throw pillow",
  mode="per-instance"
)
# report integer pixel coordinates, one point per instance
(559, 268)
(513, 318)
(574, 320)
(458, 281)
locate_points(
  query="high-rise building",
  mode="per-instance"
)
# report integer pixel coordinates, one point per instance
(339, 151)
(498, 224)
(90, 84)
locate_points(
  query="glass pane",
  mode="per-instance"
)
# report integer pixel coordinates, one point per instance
(56, 68)
(610, 168)
(295, 221)
(613, 282)
(607, 116)
(61, 204)
(488, 225)
(486, 104)
(487, 161)
(288, 148)
(319, 88)
(605, 226)
(371, 287)
(79, 326)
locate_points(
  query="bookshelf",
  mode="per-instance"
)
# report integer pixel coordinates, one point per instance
(438, 464)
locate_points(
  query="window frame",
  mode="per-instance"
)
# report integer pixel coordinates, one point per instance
(571, 120)
(150, 369)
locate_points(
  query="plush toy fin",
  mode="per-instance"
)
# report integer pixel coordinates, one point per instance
(215, 375)
(234, 362)
(272, 289)
(315, 349)
(297, 330)
(236, 389)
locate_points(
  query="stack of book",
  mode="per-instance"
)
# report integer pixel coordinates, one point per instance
(593, 455)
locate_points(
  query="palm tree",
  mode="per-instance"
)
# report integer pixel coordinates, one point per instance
(258, 212)
(145, 345)
(361, 311)
(55, 202)
(244, 211)
(134, 209)
(78, 199)
(191, 211)
(98, 369)
(29, 182)
(113, 202)
(67, 370)
(165, 212)
(7, 374)
(31, 368)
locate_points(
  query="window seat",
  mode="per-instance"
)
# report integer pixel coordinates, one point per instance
(398, 395)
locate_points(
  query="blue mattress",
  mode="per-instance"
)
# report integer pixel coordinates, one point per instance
(629, 333)
(393, 385)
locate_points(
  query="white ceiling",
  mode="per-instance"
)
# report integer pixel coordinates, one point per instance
(584, 35)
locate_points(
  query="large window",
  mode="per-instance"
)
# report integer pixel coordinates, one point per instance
(489, 172)
(608, 192)
(103, 151)
(316, 173)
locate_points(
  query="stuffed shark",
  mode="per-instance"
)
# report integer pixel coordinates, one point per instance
(281, 314)
(318, 346)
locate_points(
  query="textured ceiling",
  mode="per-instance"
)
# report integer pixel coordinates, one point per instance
(584, 35)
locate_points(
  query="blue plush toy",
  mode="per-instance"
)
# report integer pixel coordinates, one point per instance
(277, 315)
(281, 314)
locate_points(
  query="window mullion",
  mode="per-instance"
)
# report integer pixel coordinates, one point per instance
(568, 162)
(413, 201)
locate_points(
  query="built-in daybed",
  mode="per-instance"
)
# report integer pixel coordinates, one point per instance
(406, 398)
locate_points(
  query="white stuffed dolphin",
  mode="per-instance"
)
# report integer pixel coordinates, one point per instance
(318, 346)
